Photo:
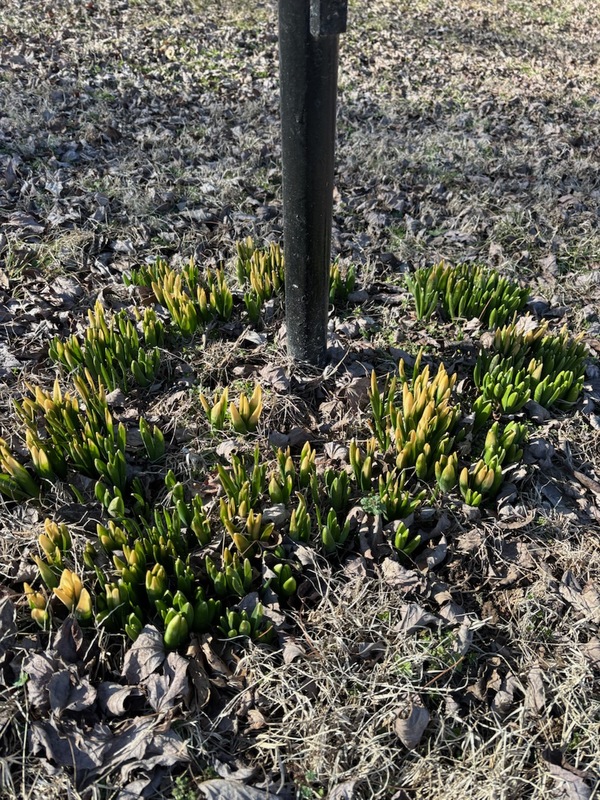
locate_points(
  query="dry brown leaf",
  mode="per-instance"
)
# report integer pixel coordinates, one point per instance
(517, 524)
(275, 377)
(592, 650)
(414, 618)
(40, 668)
(68, 745)
(397, 576)
(571, 781)
(221, 788)
(464, 639)
(344, 791)
(336, 451)
(256, 720)
(216, 664)
(145, 656)
(68, 641)
(67, 691)
(411, 729)
(356, 393)
(470, 541)
(292, 650)
(8, 627)
(112, 697)
(431, 557)
(535, 693)
(140, 745)
(166, 690)
(197, 673)
(453, 613)
(586, 601)
(504, 698)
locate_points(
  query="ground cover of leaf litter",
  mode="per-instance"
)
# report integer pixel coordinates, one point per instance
(466, 131)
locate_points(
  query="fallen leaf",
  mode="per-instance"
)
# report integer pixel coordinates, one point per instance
(453, 613)
(21, 219)
(464, 639)
(397, 576)
(216, 664)
(112, 697)
(504, 699)
(537, 412)
(586, 601)
(571, 780)
(535, 694)
(220, 788)
(298, 436)
(198, 675)
(592, 650)
(411, 729)
(67, 691)
(431, 557)
(275, 377)
(354, 566)
(292, 650)
(336, 451)
(137, 745)
(548, 264)
(68, 745)
(227, 448)
(414, 617)
(40, 668)
(470, 541)
(172, 687)
(8, 361)
(68, 640)
(518, 524)
(344, 791)
(141, 745)
(356, 393)
(8, 627)
(369, 650)
(256, 720)
(588, 482)
(145, 656)
(147, 786)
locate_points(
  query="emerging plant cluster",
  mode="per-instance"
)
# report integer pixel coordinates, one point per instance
(185, 564)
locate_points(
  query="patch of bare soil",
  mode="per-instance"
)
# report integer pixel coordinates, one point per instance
(467, 131)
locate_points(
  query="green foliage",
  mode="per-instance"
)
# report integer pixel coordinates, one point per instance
(423, 426)
(404, 542)
(300, 522)
(153, 441)
(334, 535)
(395, 501)
(84, 436)
(15, 481)
(260, 273)
(465, 291)
(503, 445)
(192, 299)
(216, 412)
(446, 471)
(503, 384)
(341, 284)
(255, 626)
(523, 365)
(245, 415)
(113, 353)
(481, 482)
